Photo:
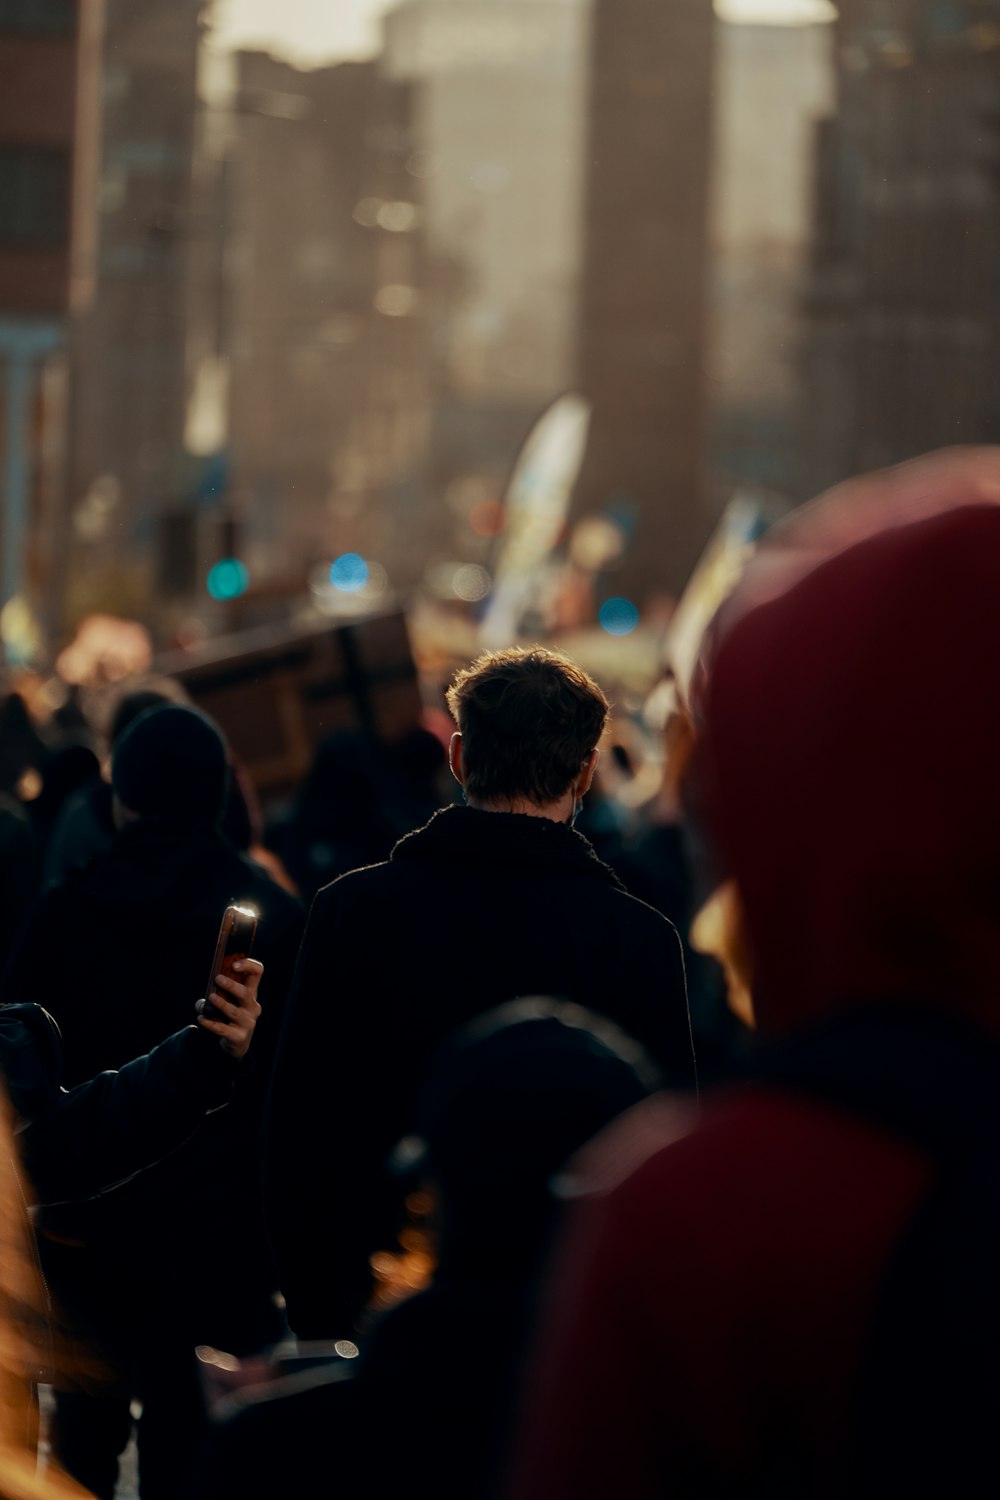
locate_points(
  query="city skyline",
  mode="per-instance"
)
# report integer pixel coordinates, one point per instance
(313, 32)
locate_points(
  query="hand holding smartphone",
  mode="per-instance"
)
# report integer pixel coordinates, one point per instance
(236, 935)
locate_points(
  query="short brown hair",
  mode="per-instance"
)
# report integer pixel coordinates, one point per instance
(529, 719)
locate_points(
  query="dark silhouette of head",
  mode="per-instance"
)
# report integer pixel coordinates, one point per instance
(136, 701)
(528, 721)
(172, 765)
(511, 1098)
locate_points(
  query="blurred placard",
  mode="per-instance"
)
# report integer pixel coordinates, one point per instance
(537, 503)
(276, 696)
(744, 521)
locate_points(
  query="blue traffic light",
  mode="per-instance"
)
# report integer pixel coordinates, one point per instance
(228, 579)
(349, 572)
(618, 616)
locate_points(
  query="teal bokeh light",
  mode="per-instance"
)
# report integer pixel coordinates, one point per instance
(349, 572)
(228, 579)
(618, 616)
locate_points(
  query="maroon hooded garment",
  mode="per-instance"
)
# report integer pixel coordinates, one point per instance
(710, 1314)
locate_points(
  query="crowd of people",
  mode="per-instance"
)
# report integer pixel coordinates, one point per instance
(467, 1177)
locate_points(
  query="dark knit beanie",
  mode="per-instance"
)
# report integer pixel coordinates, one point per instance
(171, 764)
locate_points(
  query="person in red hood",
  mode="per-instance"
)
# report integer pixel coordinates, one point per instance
(798, 1293)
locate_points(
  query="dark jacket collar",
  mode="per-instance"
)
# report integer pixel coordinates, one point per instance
(470, 836)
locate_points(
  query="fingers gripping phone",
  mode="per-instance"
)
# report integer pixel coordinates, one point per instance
(236, 935)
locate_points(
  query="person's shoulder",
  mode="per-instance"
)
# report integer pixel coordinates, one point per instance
(357, 884)
(748, 1152)
(636, 913)
(628, 1146)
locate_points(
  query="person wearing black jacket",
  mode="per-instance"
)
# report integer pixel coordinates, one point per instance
(113, 952)
(76, 1143)
(58, 1143)
(488, 902)
(508, 1101)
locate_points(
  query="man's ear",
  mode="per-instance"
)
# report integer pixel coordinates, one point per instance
(586, 776)
(455, 759)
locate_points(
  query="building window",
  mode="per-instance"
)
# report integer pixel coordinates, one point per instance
(34, 196)
(45, 17)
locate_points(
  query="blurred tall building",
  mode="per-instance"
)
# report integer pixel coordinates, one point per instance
(773, 83)
(49, 67)
(499, 108)
(643, 324)
(128, 469)
(322, 327)
(903, 305)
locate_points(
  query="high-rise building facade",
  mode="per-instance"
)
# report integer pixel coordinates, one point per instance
(499, 101)
(48, 87)
(128, 468)
(324, 319)
(773, 83)
(643, 323)
(903, 348)
(499, 113)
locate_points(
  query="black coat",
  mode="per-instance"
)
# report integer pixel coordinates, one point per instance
(102, 1132)
(119, 953)
(474, 909)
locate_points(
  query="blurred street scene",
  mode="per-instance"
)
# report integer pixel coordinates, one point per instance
(345, 343)
(276, 325)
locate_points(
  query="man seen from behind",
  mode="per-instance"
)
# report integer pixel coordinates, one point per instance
(488, 901)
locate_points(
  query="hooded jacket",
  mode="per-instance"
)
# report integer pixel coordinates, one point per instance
(793, 1287)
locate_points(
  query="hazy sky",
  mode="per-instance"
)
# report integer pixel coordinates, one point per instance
(316, 31)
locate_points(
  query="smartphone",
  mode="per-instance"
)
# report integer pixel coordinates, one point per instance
(236, 935)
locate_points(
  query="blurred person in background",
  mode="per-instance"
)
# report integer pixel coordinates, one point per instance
(666, 865)
(68, 768)
(650, 845)
(338, 821)
(358, 798)
(112, 952)
(428, 1403)
(819, 1311)
(85, 826)
(21, 750)
(75, 1143)
(495, 899)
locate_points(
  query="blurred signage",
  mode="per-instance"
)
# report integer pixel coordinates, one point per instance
(537, 503)
(719, 569)
(277, 695)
